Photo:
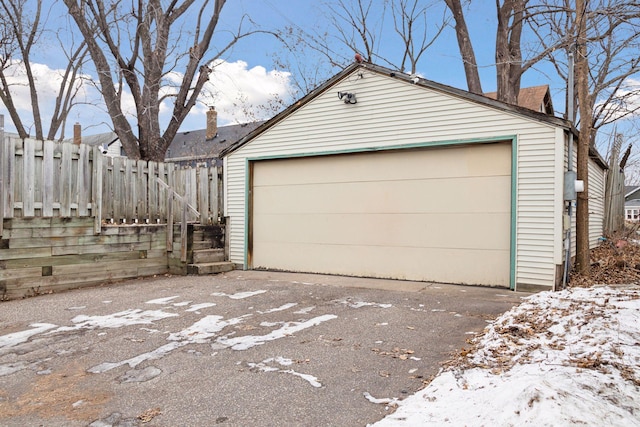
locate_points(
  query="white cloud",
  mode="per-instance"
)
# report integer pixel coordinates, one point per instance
(625, 100)
(239, 93)
(242, 94)
(48, 81)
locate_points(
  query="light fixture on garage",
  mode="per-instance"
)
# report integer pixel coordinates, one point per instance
(348, 97)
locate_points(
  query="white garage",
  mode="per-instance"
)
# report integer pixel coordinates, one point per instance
(413, 181)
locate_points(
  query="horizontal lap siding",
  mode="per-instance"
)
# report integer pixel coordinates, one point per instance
(392, 113)
(596, 203)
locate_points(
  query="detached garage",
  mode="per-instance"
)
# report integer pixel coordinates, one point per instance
(404, 180)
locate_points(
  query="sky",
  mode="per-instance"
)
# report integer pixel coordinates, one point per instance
(246, 79)
(247, 85)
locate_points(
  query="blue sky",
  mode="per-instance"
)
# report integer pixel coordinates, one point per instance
(247, 81)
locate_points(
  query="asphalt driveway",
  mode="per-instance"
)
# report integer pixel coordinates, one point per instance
(239, 349)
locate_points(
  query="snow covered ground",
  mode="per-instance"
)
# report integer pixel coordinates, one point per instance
(558, 359)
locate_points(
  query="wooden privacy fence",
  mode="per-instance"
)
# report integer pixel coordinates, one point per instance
(48, 179)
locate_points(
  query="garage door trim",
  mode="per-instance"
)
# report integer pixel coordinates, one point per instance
(512, 139)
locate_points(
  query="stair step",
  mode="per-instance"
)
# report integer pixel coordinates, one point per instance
(208, 255)
(198, 245)
(210, 268)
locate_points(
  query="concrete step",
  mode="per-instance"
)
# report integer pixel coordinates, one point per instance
(208, 255)
(204, 244)
(210, 268)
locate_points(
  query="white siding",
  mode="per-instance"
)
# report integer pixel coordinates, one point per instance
(596, 203)
(390, 112)
(597, 178)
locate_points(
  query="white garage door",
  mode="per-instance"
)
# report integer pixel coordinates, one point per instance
(437, 214)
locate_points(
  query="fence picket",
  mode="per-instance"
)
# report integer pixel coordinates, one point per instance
(47, 179)
(84, 181)
(65, 181)
(203, 195)
(96, 200)
(29, 172)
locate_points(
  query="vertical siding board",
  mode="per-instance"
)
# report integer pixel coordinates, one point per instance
(163, 173)
(152, 211)
(84, 180)
(203, 194)
(47, 179)
(66, 180)
(107, 190)
(9, 176)
(97, 190)
(29, 177)
(118, 189)
(141, 181)
(596, 203)
(129, 188)
(192, 189)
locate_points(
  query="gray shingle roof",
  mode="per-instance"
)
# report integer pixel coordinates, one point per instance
(194, 145)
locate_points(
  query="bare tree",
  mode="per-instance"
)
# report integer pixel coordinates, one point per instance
(140, 45)
(411, 24)
(605, 35)
(510, 60)
(465, 46)
(357, 26)
(23, 30)
(509, 63)
(585, 105)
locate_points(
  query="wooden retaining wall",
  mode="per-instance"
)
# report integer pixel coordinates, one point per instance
(42, 255)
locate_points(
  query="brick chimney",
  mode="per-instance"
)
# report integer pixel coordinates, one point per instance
(212, 123)
(77, 134)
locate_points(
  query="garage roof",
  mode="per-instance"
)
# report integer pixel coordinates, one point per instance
(411, 79)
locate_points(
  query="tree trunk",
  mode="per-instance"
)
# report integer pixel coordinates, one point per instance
(508, 52)
(586, 112)
(466, 48)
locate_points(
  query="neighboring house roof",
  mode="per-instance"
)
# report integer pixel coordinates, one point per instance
(632, 203)
(193, 145)
(631, 192)
(411, 79)
(98, 139)
(536, 98)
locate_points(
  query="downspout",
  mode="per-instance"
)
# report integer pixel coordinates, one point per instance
(570, 175)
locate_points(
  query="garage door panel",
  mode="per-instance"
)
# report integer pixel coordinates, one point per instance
(388, 165)
(438, 214)
(423, 264)
(457, 230)
(478, 195)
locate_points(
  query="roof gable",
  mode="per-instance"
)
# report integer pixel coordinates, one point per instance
(535, 98)
(357, 69)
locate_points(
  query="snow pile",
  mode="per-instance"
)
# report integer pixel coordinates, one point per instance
(559, 358)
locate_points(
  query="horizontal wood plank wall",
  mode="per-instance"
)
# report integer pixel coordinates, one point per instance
(45, 179)
(42, 255)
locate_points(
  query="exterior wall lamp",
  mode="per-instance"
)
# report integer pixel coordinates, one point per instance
(347, 97)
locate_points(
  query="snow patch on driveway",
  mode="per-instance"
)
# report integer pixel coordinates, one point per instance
(289, 328)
